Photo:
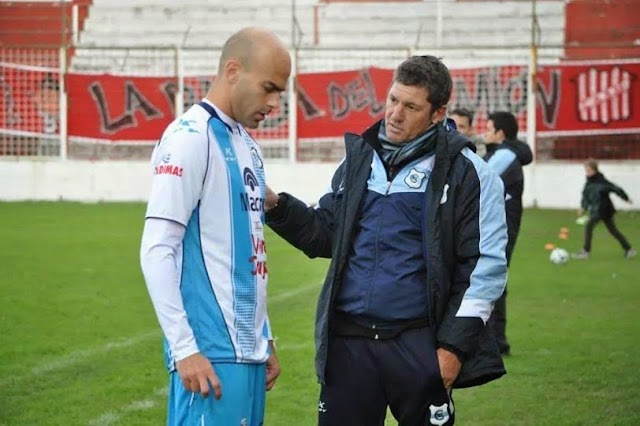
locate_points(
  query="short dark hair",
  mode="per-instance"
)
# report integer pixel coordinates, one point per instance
(463, 112)
(505, 121)
(428, 72)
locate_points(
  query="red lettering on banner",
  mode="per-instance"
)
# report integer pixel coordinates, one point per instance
(572, 98)
(489, 89)
(168, 169)
(356, 95)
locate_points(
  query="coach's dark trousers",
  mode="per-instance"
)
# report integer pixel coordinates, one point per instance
(366, 375)
(613, 230)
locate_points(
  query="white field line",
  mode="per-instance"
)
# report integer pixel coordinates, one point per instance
(111, 417)
(78, 356)
(286, 295)
(160, 395)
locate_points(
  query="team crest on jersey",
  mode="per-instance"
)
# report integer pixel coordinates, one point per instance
(414, 179)
(257, 161)
(439, 414)
(166, 158)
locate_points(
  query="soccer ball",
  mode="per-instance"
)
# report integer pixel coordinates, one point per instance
(559, 256)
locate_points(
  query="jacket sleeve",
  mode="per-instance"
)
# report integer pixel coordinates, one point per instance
(308, 228)
(480, 273)
(617, 190)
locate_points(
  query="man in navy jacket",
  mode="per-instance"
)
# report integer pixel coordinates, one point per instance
(414, 224)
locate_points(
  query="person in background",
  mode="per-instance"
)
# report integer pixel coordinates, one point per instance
(203, 252)
(48, 103)
(597, 204)
(463, 118)
(506, 155)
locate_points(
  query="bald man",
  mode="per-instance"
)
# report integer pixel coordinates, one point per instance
(203, 252)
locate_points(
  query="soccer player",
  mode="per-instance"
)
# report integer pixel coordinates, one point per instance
(203, 251)
(414, 224)
(506, 155)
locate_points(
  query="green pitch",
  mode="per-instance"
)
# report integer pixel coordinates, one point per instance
(79, 343)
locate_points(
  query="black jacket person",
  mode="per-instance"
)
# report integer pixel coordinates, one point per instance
(506, 155)
(596, 202)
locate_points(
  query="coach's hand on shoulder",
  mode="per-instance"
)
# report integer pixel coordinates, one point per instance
(449, 367)
(271, 200)
(198, 376)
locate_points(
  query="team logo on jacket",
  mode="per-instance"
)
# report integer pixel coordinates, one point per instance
(439, 414)
(444, 193)
(414, 179)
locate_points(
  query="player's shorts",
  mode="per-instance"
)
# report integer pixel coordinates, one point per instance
(242, 402)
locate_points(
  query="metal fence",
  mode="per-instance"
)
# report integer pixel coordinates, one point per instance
(38, 88)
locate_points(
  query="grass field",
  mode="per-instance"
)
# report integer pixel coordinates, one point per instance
(79, 342)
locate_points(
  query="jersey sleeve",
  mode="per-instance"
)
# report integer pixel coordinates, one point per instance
(180, 163)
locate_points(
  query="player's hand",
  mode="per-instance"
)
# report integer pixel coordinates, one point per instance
(273, 368)
(271, 199)
(197, 375)
(630, 201)
(449, 367)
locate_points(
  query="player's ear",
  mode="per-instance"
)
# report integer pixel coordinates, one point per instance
(232, 70)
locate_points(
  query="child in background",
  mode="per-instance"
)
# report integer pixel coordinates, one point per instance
(598, 205)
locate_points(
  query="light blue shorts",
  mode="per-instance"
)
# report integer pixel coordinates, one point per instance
(242, 402)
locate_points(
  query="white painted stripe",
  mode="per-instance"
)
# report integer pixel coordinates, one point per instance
(81, 355)
(112, 417)
(78, 356)
(24, 67)
(286, 295)
(294, 346)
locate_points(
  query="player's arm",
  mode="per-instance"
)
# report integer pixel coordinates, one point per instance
(159, 258)
(180, 167)
(481, 265)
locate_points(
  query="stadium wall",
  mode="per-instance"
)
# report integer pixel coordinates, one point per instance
(547, 185)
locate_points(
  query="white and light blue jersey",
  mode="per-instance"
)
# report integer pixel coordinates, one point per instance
(209, 177)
